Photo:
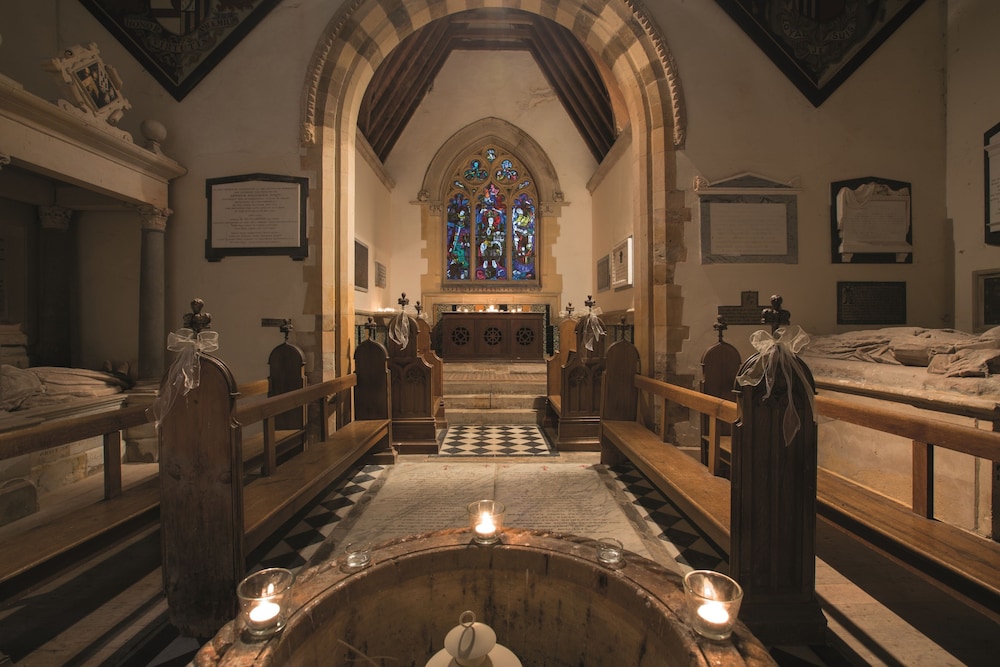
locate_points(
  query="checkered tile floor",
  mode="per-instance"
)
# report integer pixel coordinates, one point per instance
(292, 548)
(517, 440)
(687, 546)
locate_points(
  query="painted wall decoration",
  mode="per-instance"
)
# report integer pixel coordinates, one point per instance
(179, 41)
(818, 44)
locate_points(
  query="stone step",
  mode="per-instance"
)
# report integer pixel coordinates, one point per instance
(493, 402)
(466, 417)
(482, 386)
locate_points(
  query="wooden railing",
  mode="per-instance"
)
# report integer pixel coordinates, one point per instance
(108, 425)
(926, 434)
(964, 562)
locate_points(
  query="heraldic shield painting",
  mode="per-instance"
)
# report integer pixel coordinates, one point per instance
(818, 44)
(179, 41)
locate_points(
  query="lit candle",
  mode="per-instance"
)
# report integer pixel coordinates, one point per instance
(264, 612)
(714, 613)
(486, 527)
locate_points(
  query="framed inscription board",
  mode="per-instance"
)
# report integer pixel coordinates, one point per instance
(360, 266)
(749, 219)
(991, 164)
(256, 214)
(871, 303)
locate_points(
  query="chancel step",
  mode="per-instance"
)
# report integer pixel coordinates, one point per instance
(494, 393)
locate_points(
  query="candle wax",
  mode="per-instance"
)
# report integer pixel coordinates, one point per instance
(714, 613)
(264, 612)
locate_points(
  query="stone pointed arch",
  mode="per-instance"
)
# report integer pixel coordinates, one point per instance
(628, 44)
(508, 136)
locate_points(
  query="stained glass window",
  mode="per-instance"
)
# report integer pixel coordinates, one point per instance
(492, 223)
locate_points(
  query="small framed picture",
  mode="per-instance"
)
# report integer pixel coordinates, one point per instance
(96, 87)
(604, 273)
(621, 264)
(380, 274)
(360, 266)
(987, 300)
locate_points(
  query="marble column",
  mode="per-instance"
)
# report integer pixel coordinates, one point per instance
(152, 330)
(53, 346)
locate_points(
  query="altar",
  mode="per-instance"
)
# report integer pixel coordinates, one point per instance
(494, 335)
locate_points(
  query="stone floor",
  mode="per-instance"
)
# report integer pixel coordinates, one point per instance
(878, 613)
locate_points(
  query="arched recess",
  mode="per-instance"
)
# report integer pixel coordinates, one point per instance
(628, 44)
(436, 184)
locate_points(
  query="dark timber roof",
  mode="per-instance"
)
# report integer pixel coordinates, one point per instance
(408, 73)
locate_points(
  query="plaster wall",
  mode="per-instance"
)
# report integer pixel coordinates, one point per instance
(973, 108)
(614, 196)
(508, 86)
(371, 222)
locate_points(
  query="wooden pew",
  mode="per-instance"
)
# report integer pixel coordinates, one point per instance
(629, 405)
(209, 518)
(425, 350)
(761, 524)
(963, 564)
(720, 364)
(573, 377)
(413, 402)
(27, 555)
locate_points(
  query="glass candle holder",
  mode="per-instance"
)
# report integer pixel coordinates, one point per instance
(357, 555)
(609, 551)
(264, 601)
(713, 602)
(486, 521)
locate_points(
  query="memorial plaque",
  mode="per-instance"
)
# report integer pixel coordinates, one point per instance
(871, 303)
(748, 312)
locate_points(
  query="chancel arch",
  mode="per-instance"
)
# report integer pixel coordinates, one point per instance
(627, 44)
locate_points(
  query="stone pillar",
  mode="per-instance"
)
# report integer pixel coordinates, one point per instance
(55, 277)
(152, 329)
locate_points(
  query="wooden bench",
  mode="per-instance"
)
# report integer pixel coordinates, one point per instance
(962, 563)
(60, 537)
(209, 518)
(627, 431)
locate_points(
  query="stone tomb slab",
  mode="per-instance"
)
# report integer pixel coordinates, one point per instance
(415, 498)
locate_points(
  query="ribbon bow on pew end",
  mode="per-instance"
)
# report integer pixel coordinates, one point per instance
(776, 355)
(185, 372)
(593, 328)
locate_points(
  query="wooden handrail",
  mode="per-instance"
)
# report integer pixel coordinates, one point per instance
(64, 431)
(925, 433)
(956, 437)
(276, 405)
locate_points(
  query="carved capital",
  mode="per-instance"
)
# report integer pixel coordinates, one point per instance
(153, 218)
(54, 217)
(4, 160)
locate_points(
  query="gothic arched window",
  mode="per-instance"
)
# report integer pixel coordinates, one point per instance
(492, 234)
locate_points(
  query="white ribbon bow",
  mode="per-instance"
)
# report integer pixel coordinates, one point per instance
(777, 355)
(593, 329)
(185, 373)
(399, 329)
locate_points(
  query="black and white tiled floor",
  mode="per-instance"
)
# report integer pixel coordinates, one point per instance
(515, 440)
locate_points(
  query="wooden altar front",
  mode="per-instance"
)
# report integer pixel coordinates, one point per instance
(493, 335)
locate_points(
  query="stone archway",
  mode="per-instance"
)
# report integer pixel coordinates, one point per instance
(356, 41)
